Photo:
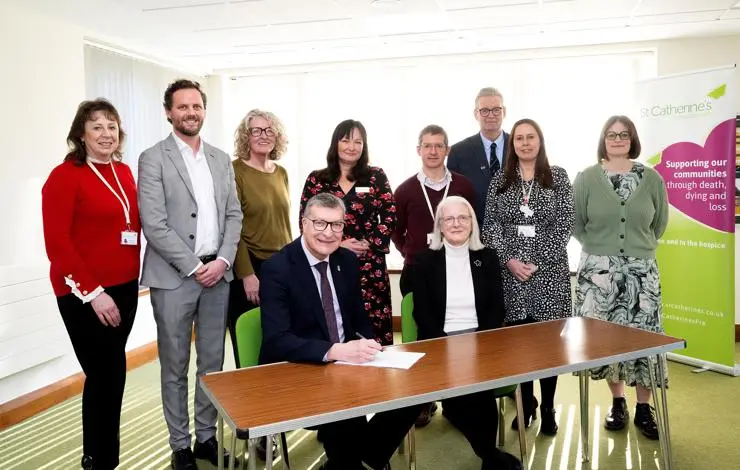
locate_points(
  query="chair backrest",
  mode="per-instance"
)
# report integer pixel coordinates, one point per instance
(249, 337)
(408, 325)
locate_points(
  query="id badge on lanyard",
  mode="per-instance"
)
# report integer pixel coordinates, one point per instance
(128, 236)
(430, 236)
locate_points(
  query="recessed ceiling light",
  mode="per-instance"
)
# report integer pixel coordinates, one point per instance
(384, 2)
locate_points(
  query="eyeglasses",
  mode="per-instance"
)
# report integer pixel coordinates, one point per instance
(624, 135)
(485, 112)
(257, 131)
(437, 147)
(321, 225)
(460, 219)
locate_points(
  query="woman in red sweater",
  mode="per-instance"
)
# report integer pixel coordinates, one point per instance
(92, 229)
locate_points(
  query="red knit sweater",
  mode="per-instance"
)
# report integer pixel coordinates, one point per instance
(83, 222)
(413, 219)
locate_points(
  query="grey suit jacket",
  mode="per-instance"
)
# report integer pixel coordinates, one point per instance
(169, 213)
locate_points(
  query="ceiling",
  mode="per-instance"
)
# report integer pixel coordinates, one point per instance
(219, 35)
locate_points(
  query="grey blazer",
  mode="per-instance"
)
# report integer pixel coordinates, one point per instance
(169, 213)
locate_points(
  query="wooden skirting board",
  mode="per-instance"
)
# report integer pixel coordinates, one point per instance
(28, 405)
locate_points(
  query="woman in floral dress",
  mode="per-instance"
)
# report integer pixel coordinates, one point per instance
(621, 212)
(370, 217)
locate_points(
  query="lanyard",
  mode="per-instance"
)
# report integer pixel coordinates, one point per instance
(526, 194)
(426, 196)
(126, 206)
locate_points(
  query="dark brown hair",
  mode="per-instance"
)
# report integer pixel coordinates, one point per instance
(77, 152)
(542, 171)
(181, 84)
(433, 129)
(361, 170)
(635, 147)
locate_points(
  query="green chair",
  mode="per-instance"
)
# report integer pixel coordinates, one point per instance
(248, 343)
(408, 335)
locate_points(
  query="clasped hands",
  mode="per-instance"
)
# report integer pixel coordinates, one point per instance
(358, 247)
(521, 271)
(210, 273)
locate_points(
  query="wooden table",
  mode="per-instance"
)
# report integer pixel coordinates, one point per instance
(267, 400)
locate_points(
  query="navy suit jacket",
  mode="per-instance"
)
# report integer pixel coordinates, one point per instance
(468, 157)
(293, 323)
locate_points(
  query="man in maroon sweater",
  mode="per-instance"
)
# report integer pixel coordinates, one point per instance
(417, 198)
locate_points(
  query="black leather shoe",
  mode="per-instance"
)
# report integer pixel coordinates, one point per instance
(261, 448)
(209, 451)
(183, 460)
(548, 426)
(528, 417)
(87, 463)
(618, 415)
(645, 421)
(425, 417)
(501, 460)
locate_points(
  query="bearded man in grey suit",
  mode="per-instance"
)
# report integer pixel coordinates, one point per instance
(192, 220)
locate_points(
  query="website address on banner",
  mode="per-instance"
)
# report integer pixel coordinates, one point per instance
(698, 310)
(692, 321)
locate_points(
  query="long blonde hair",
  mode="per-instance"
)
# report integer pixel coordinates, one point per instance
(474, 242)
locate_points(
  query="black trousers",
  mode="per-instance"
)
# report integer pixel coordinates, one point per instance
(476, 417)
(101, 351)
(547, 385)
(349, 441)
(238, 304)
(405, 283)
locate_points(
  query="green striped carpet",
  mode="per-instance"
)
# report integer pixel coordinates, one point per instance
(705, 411)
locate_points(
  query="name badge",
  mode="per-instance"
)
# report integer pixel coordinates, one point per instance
(129, 238)
(362, 189)
(429, 238)
(525, 231)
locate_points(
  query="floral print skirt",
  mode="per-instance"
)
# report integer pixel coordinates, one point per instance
(623, 290)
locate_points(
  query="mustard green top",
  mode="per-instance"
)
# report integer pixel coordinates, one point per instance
(265, 201)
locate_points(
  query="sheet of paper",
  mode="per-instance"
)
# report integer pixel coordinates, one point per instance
(391, 359)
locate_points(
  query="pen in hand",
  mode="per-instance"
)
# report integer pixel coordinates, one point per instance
(362, 337)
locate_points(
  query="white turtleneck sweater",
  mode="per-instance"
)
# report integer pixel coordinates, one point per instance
(460, 310)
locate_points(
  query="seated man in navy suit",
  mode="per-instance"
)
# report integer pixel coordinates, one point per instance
(312, 311)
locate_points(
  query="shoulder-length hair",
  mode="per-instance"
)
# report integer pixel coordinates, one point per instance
(542, 171)
(474, 242)
(635, 147)
(77, 151)
(241, 136)
(361, 170)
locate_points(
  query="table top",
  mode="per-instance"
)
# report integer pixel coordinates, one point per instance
(270, 399)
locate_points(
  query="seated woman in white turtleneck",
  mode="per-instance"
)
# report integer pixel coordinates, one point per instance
(472, 300)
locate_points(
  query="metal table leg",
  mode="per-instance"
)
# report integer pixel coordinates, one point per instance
(269, 455)
(583, 391)
(522, 428)
(284, 448)
(252, 462)
(220, 431)
(661, 409)
(412, 448)
(232, 456)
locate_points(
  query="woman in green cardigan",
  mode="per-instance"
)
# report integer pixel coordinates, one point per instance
(621, 212)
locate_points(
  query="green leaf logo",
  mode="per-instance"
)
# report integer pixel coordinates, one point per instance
(718, 92)
(655, 159)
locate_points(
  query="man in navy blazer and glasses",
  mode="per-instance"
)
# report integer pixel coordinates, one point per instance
(482, 155)
(312, 311)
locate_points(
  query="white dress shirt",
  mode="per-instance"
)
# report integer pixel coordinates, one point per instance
(499, 148)
(206, 235)
(460, 313)
(435, 185)
(313, 261)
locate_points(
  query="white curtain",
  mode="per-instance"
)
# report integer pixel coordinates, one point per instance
(569, 97)
(136, 88)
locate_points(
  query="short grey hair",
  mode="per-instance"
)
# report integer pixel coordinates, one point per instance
(488, 91)
(325, 200)
(474, 242)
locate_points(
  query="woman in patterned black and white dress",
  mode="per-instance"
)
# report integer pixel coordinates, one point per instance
(528, 220)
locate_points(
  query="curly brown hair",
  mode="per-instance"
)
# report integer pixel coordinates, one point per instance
(241, 136)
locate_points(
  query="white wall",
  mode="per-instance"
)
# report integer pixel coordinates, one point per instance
(42, 83)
